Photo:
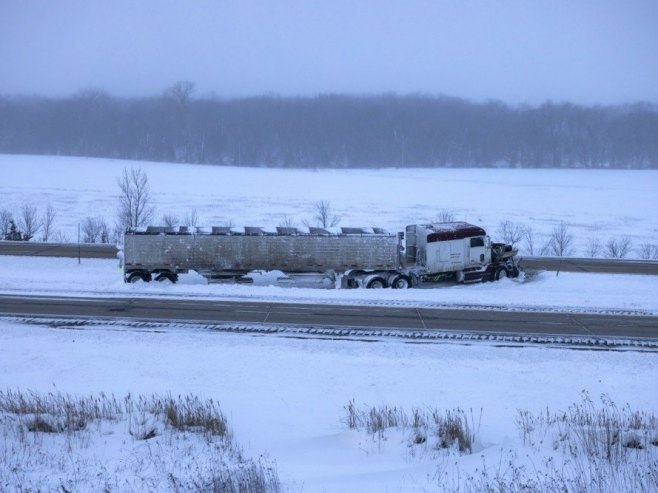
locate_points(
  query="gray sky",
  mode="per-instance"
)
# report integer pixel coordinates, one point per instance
(590, 51)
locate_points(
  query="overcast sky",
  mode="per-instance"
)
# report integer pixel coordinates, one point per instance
(594, 51)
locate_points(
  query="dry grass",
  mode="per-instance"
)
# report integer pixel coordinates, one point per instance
(249, 478)
(46, 437)
(590, 447)
(189, 413)
(603, 431)
(451, 429)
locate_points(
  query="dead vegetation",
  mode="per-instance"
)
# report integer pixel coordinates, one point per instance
(448, 429)
(44, 433)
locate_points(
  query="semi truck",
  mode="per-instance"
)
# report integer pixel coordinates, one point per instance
(420, 255)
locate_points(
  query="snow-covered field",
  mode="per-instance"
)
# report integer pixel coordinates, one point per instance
(595, 204)
(285, 398)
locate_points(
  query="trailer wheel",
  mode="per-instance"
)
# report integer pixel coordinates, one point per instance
(501, 273)
(139, 276)
(401, 282)
(376, 283)
(350, 283)
(166, 276)
(352, 279)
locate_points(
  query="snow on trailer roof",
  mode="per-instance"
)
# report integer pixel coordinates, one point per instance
(257, 231)
(452, 231)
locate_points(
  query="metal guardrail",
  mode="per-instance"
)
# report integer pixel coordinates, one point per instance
(592, 265)
(75, 250)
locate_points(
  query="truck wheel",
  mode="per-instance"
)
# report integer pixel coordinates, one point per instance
(376, 283)
(501, 273)
(139, 276)
(401, 282)
(166, 276)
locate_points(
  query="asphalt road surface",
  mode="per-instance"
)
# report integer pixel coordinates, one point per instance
(481, 321)
(567, 264)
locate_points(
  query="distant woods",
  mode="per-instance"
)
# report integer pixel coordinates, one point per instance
(331, 131)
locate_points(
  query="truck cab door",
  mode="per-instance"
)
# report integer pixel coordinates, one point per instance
(477, 254)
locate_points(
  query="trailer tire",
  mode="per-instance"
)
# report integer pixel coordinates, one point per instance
(349, 283)
(400, 281)
(166, 276)
(502, 273)
(352, 279)
(376, 282)
(139, 276)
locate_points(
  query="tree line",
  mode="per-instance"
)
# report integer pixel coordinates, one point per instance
(336, 131)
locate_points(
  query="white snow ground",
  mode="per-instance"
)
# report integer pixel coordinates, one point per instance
(285, 397)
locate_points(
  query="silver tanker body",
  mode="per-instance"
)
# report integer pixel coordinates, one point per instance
(226, 255)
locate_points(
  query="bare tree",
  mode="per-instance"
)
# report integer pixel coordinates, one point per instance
(90, 230)
(648, 251)
(618, 248)
(593, 247)
(135, 207)
(116, 235)
(47, 221)
(324, 216)
(180, 92)
(29, 221)
(59, 237)
(170, 221)
(561, 241)
(510, 232)
(529, 240)
(444, 216)
(105, 232)
(191, 219)
(95, 230)
(5, 223)
(287, 222)
(546, 248)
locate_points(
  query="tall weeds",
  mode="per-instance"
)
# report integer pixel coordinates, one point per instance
(590, 447)
(42, 432)
(450, 429)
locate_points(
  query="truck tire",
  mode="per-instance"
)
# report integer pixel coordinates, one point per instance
(139, 276)
(376, 282)
(400, 281)
(166, 276)
(501, 273)
(352, 279)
